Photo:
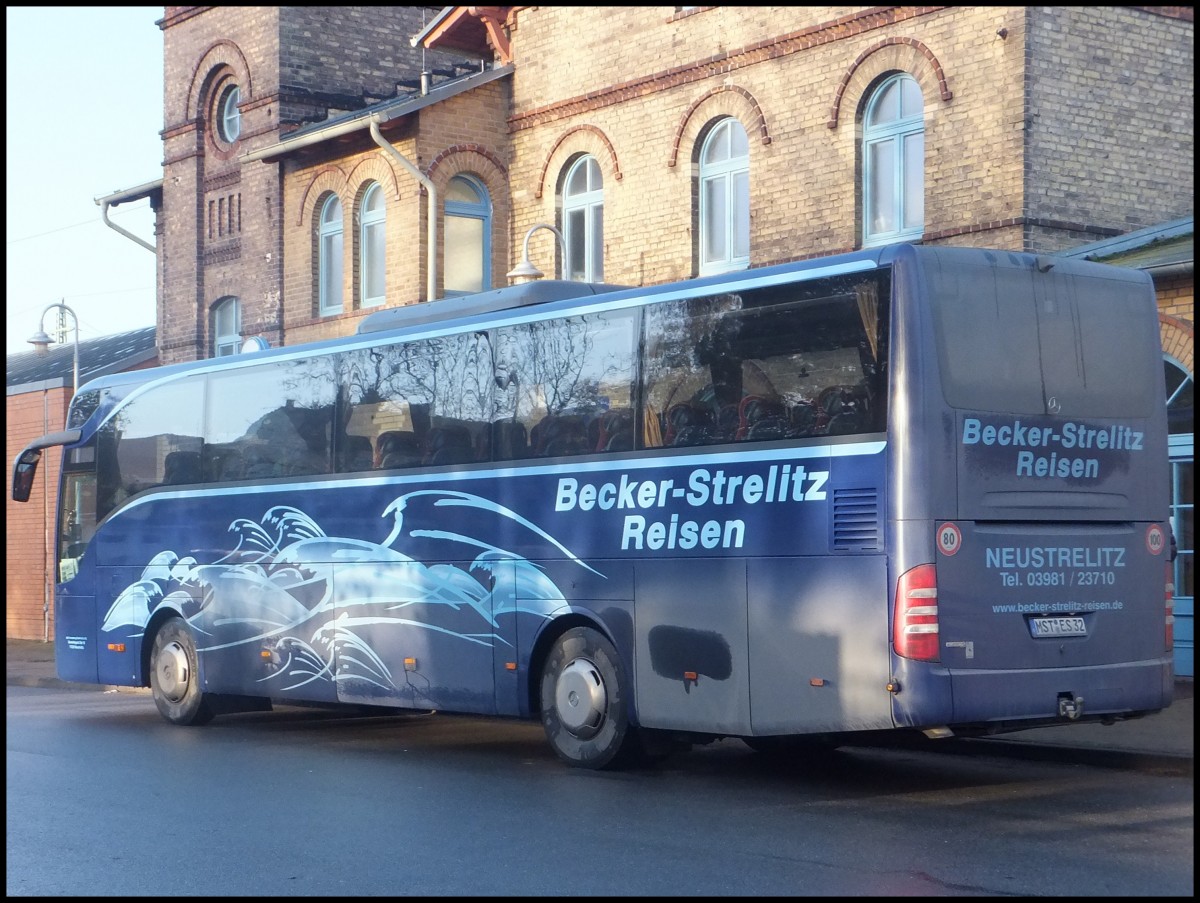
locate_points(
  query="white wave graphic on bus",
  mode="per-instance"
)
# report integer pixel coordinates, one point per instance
(307, 597)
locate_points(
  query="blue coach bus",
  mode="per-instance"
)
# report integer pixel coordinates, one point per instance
(912, 488)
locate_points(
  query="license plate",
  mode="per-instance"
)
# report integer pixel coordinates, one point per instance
(1040, 627)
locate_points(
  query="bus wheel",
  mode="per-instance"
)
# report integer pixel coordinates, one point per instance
(175, 678)
(583, 702)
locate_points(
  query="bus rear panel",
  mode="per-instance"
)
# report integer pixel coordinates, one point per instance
(1030, 543)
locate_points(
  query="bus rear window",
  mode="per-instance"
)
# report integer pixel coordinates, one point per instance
(1012, 339)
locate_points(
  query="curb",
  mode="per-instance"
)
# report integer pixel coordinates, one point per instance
(53, 683)
(1176, 764)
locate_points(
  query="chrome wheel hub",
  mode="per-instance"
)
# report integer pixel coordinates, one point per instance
(173, 671)
(581, 698)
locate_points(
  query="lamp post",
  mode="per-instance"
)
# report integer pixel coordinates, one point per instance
(41, 342)
(525, 269)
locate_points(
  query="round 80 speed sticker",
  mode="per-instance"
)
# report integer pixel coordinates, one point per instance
(949, 538)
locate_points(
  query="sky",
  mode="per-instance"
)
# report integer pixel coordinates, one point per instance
(84, 99)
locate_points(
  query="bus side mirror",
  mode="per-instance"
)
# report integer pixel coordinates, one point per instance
(24, 470)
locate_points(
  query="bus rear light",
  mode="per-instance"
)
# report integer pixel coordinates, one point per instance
(1170, 609)
(915, 619)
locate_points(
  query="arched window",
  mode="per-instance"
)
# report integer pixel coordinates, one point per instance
(1180, 403)
(329, 257)
(229, 118)
(583, 221)
(468, 249)
(226, 327)
(725, 199)
(894, 163)
(372, 247)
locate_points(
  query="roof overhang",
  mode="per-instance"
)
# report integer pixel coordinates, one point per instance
(475, 30)
(381, 113)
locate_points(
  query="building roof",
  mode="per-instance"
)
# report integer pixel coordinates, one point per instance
(1153, 249)
(30, 372)
(381, 112)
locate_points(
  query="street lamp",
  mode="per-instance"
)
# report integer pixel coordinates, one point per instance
(41, 342)
(525, 269)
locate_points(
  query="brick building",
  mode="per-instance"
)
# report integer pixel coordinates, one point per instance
(302, 145)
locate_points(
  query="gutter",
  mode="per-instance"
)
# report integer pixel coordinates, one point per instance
(121, 197)
(1166, 271)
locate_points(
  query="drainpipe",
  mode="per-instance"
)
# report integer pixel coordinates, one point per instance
(431, 250)
(104, 215)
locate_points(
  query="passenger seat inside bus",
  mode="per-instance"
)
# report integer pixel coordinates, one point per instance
(450, 445)
(181, 467)
(510, 440)
(397, 448)
(357, 454)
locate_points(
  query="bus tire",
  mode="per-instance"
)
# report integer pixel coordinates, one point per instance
(584, 709)
(175, 676)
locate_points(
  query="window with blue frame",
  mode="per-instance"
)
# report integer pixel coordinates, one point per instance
(467, 260)
(1181, 419)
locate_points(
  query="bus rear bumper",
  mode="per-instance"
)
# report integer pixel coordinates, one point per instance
(1020, 699)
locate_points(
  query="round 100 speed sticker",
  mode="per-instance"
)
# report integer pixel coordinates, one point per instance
(1156, 541)
(949, 538)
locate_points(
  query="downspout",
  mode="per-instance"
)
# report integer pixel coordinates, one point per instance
(48, 566)
(104, 215)
(431, 238)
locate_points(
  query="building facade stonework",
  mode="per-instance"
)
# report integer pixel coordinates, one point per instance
(1042, 128)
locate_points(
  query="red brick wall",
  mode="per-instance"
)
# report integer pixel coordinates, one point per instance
(29, 539)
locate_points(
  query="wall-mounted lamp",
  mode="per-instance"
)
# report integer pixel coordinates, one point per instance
(41, 342)
(1003, 34)
(525, 269)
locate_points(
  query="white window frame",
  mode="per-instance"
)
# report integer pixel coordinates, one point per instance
(583, 221)
(725, 176)
(229, 117)
(906, 197)
(227, 327)
(370, 222)
(330, 260)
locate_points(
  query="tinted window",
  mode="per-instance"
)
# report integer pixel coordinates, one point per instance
(1010, 339)
(271, 420)
(420, 403)
(565, 387)
(152, 440)
(787, 362)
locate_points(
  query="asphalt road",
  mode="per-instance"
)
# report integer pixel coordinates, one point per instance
(105, 798)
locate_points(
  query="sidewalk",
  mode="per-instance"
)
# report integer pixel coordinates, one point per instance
(1167, 735)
